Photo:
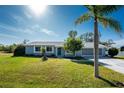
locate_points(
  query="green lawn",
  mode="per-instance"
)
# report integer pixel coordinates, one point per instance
(32, 72)
(119, 57)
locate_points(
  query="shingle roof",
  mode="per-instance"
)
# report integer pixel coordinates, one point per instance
(60, 44)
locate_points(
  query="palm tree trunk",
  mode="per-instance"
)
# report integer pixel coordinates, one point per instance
(96, 48)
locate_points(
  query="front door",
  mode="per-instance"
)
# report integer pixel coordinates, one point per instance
(59, 51)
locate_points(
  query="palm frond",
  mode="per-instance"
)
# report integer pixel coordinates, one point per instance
(83, 18)
(108, 9)
(112, 23)
(89, 7)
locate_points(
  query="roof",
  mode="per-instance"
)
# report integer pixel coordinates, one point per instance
(46, 43)
(60, 44)
(91, 45)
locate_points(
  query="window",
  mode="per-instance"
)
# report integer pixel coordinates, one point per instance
(48, 49)
(37, 49)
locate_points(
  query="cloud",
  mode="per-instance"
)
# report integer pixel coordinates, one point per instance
(25, 27)
(28, 15)
(49, 32)
(44, 30)
(28, 29)
(8, 36)
(16, 29)
(18, 19)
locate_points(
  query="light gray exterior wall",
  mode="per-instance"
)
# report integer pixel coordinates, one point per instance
(47, 53)
(103, 51)
(29, 50)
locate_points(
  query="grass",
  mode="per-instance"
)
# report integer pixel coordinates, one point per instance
(119, 57)
(29, 72)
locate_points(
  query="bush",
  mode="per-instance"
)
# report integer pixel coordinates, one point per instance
(43, 51)
(113, 51)
(19, 51)
(44, 58)
(122, 48)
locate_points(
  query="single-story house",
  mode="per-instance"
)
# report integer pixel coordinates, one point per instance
(56, 49)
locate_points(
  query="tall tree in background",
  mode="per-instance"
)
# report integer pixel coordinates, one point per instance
(99, 14)
(25, 41)
(107, 43)
(87, 37)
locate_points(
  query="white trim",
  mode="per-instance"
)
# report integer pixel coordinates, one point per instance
(56, 48)
(34, 48)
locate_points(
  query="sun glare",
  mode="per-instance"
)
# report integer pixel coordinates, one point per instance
(37, 9)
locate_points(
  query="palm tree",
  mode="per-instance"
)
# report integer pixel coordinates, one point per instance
(99, 14)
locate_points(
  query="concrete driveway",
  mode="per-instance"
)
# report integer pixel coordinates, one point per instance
(114, 64)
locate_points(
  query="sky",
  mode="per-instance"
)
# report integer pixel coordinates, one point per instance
(53, 24)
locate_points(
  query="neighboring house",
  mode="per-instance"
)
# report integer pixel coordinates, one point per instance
(121, 51)
(56, 49)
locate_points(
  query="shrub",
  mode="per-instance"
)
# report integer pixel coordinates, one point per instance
(113, 51)
(19, 51)
(44, 58)
(122, 48)
(43, 51)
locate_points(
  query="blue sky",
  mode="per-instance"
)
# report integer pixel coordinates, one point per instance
(19, 22)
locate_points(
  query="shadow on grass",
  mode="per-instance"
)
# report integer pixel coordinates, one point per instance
(119, 58)
(114, 83)
(87, 62)
(107, 81)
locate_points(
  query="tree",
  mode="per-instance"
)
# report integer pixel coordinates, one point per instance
(113, 51)
(108, 43)
(1, 47)
(19, 51)
(12, 48)
(88, 36)
(25, 41)
(99, 14)
(73, 43)
(8, 48)
(73, 34)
